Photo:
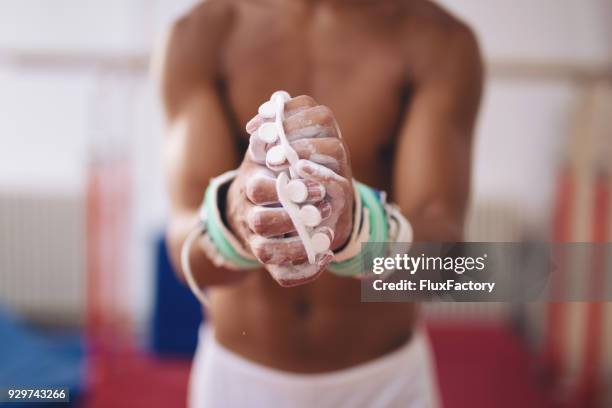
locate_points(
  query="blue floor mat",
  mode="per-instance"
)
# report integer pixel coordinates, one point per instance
(35, 358)
(176, 312)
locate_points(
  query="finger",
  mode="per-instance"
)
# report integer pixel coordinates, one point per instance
(261, 190)
(283, 251)
(313, 122)
(271, 222)
(292, 107)
(299, 104)
(320, 174)
(329, 152)
(293, 275)
(254, 124)
(257, 149)
(260, 187)
(278, 251)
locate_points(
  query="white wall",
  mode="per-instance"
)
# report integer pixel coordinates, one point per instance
(526, 118)
(571, 31)
(85, 26)
(43, 121)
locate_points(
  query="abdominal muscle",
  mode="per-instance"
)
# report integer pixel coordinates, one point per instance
(319, 327)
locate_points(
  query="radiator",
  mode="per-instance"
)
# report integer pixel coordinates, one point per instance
(42, 238)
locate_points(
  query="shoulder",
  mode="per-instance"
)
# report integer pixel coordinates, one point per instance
(189, 51)
(197, 37)
(435, 37)
(206, 20)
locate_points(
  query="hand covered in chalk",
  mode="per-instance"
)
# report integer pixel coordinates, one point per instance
(321, 182)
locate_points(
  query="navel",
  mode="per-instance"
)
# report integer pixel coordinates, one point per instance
(302, 308)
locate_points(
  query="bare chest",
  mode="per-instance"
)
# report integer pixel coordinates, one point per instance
(355, 71)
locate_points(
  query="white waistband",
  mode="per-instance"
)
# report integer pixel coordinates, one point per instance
(409, 356)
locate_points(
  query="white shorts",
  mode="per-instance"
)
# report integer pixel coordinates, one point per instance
(402, 378)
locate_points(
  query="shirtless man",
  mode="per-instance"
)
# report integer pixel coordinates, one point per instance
(402, 78)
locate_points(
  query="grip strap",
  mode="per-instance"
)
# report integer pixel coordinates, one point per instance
(375, 222)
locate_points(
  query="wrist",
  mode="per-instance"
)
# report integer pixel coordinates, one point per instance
(222, 245)
(347, 222)
(226, 203)
(375, 222)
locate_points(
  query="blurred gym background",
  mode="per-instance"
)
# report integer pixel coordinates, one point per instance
(87, 299)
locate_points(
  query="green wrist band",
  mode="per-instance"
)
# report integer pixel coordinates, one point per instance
(378, 233)
(229, 252)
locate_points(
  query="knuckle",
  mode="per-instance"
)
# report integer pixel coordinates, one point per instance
(251, 190)
(325, 209)
(346, 184)
(326, 115)
(254, 189)
(255, 220)
(316, 191)
(258, 247)
(303, 146)
(306, 100)
(337, 149)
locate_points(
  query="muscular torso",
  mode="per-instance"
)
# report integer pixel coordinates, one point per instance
(350, 59)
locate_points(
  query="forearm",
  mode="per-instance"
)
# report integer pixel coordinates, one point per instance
(435, 222)
(434, 152)
(204, 271)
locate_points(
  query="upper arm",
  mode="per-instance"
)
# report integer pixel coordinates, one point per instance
(432, 169)
(199, 144)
